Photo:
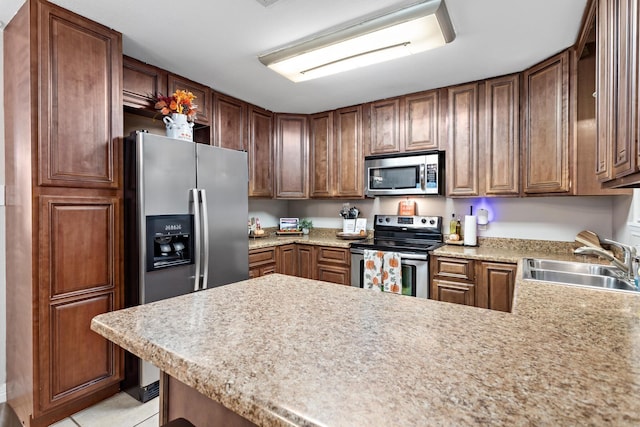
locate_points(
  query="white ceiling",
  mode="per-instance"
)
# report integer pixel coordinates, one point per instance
(217, 42)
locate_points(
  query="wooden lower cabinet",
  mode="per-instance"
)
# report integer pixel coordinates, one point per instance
(495, 285)
(473, 282)
(287, 260)
(333, 265)
(262, 262)
(305, 261)
(325, 263)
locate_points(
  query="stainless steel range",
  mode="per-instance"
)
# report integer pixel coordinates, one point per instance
(412, 237)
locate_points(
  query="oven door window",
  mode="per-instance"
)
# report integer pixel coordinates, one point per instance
(409, 280)
(394, 178)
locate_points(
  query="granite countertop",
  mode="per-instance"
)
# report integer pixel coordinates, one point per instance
(282, 350)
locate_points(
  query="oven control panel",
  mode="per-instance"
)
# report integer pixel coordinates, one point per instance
(408, 221)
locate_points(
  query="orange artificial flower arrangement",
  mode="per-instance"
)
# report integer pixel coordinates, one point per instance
(180, 102)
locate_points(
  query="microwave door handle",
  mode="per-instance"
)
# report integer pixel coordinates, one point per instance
(196, 213)
(205, 240)
(422, 178)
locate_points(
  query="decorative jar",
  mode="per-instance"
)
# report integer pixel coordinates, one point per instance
(179, 127)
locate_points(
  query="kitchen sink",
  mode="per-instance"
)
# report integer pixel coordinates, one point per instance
(577, 273)
(573, 267)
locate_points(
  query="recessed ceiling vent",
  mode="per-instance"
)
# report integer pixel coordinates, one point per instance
(266, 3)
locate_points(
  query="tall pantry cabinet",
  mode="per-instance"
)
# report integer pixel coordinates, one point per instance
(63, 132)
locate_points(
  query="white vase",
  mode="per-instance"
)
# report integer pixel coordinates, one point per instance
(179, 127)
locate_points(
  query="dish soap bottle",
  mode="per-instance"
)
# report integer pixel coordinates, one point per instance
(452, 224)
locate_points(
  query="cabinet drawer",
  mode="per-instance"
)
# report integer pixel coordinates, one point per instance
(334, 274)
(457, 293)
(455, 268)
(262, 256)
(333, 255)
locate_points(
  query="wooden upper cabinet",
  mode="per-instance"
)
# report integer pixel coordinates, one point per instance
(80, 62)
(624, 147)
(617, 91)
(348, 158)
(605, 90)
(545, 127)
(421, 113)
(202, 93)
(260, 152)
(291, 156)
(501, 142)
(321, 154)
(462, 151)
(229, 122)
(385, 130)
(141, 83)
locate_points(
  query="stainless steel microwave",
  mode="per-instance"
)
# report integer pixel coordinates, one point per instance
(405, 174)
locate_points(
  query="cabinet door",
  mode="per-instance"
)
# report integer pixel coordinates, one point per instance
(462, 151)
(348, 159)
(624, 149)
(321, 154)
(545, 123)
(287, 260)
(79, 278)
(385, 126)
(291, 158)
(202, 93)
(421, 117)
(80, 116)
(502, 138)
(605, 90)
(260, 153)
(306, 261)
(453, 292)
(141, 83)
(229, 122)
(495, 286)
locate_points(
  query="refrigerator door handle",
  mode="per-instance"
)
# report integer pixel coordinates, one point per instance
(197, 240)
(205, 241)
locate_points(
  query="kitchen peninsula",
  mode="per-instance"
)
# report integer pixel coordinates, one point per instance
(281, 350)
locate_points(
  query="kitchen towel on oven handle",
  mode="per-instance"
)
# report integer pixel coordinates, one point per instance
(382, 271)
(372, 277)
(392, 273)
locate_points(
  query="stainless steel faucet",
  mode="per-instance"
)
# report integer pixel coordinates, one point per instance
(626, 265)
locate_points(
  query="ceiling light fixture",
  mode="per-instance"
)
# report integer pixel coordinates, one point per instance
(370, 40)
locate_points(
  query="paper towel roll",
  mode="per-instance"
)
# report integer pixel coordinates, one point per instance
(470, 230)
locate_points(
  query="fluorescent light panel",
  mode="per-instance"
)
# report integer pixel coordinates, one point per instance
(403, 32)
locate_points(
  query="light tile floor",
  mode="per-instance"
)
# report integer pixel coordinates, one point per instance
(120, 410)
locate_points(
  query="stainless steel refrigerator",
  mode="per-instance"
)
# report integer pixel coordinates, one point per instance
(186, 208)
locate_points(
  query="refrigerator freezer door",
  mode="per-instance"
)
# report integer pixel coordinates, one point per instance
(169, 173)
(166, 176)
(223, 174)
